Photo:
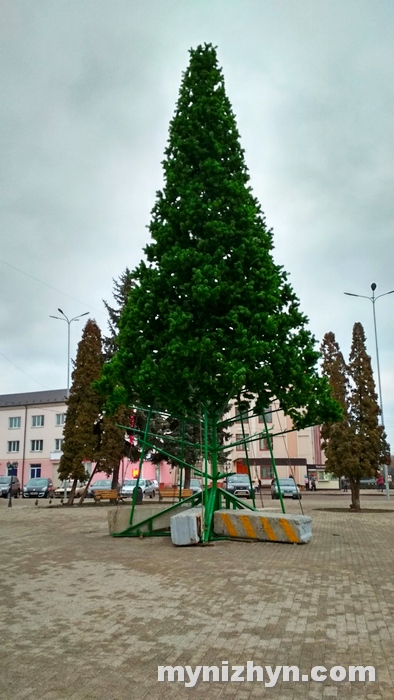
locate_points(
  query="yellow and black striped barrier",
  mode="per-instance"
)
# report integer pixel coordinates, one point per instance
(266, 527)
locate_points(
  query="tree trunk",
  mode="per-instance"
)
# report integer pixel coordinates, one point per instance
(71, 497)
(355, 491)
(186, 484)
(115, 476)
(95, 470)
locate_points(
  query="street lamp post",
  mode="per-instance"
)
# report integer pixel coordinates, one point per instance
(69, 321)
(373, 298)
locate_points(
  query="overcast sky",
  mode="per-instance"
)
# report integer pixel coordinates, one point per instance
(88, 88)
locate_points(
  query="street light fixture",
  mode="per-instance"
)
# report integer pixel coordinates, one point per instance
(69, 322)
(373, 298)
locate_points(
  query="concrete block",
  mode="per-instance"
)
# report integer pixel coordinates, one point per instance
(186, 527)
(268, 527)
(119, 518)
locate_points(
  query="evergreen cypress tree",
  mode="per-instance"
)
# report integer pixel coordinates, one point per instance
(355, 446)
(211, 314)
(338, 439)
(84, 406)
(372, 447)
(89, 434)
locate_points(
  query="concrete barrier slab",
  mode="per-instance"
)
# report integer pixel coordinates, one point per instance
(119, 518)
(186, 527)
(268, 527)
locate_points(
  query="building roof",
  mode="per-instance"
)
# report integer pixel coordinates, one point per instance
(32, 398)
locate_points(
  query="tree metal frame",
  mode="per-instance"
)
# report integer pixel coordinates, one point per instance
(212, 496)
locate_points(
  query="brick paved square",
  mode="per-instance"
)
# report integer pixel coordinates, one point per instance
(85, 616)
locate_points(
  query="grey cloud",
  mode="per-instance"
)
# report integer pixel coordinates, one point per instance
(88, 91)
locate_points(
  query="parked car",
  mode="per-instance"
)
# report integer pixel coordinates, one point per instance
(80, 488)
(288, 488)
(147, 487)
(368, 484)
(99, 485)
(8, 483)
(195, 485)
(40, 487)
(239, 485)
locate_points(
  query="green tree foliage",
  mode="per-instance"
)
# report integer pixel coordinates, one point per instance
(356, 446)
(89, 434)
(113, 445)
(171, 427)
(211, 313)
(121, 290)
(338, 439)
(84, 406)
(373, 449)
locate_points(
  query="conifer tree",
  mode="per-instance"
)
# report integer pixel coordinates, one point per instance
(121, 291)
(84, 407)
(211, 314)
(372, 447)
(355, 446)
(338, 439)
(89, 434)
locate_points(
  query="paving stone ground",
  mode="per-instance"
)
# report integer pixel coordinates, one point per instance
(85, 616)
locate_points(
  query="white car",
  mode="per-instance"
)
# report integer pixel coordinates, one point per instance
(145, 485)
(80, 488)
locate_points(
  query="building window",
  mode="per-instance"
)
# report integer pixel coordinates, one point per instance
(14, 422)
(88, 467)
(264, 443)
(35, 471)
(241, 418)
(37, 445)
(241, 448)
(60, 418)
(13, 446)
(37, 421)
(58, 444)
(267, 473)
(268, 416)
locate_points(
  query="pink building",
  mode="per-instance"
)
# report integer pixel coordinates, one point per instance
(31, 439)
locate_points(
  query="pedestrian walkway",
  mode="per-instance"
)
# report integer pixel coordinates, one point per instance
(85, 616)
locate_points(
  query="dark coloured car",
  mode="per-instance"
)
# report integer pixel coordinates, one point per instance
(239, 485)
(99, 485)
(288, 489)
(8, 483)
(195, 486)
(40, 487)
(368, 484)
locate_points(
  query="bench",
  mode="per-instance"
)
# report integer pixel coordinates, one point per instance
(173, 492)
(107, 495)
